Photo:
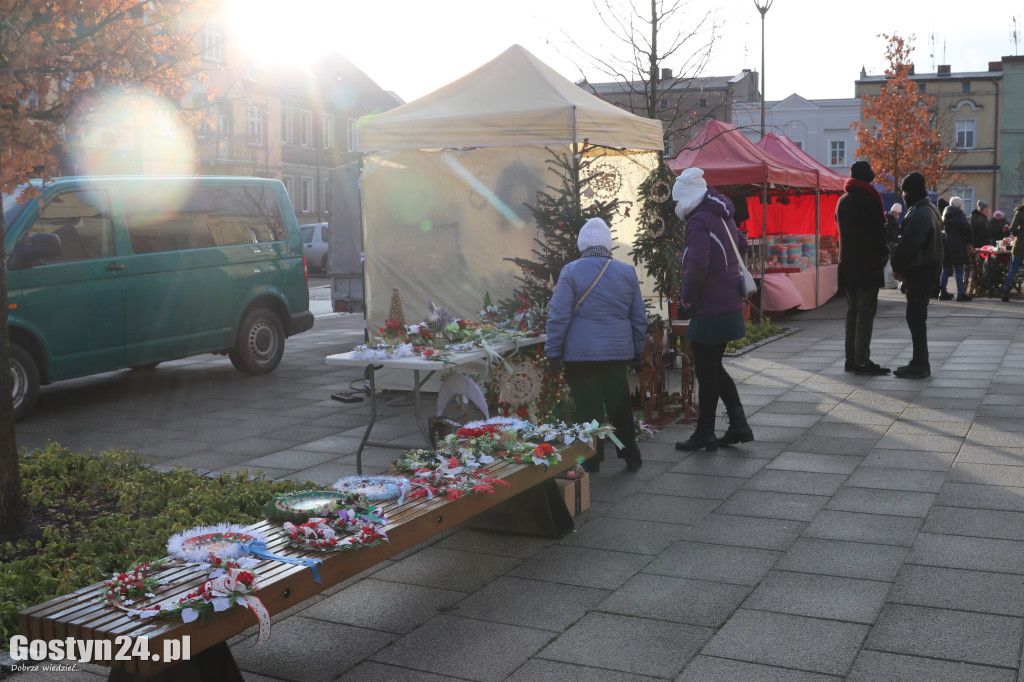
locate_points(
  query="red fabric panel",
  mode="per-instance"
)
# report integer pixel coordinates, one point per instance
(795, 217)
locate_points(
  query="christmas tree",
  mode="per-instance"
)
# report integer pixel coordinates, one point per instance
(559, 213)
(660, 233)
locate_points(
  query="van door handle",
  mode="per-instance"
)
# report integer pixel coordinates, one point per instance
(114, 267)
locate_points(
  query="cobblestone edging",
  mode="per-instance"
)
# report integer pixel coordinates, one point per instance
(746, 349)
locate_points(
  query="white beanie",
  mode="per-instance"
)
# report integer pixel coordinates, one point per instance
(896, 208)
(594, 232)
(689, 190)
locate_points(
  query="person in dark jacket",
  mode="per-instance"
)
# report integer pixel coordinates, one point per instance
(958, 239)
(980, 233)
(1017, 255)
(711, 294)
(597, 325)
(892, 225)
(998, 227)
(917, 260)
(863, 254)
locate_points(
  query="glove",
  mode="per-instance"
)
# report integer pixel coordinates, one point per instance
(556, 365)
(636, 364)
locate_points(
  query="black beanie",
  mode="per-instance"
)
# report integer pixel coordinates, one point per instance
(914, 187)
(861, 170)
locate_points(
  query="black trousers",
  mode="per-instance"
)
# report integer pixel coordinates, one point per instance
(861, 306)
(919, 288)
(601, 390)
(713, 382)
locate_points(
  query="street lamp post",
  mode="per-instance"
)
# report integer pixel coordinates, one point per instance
(763, 6)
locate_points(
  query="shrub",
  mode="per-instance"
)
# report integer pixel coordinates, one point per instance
(89, 516)
(756, 331)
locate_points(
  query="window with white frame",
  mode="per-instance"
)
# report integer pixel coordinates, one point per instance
(965, 193)
(328, 132)
(305, 128)
(287, 125)
(325, 196)
(223, 133)
(350, 134)
(669, 151)
(306, 205)
(289, 187)
(254, 126)
(213, 42)
(837, 153)
(965, 132)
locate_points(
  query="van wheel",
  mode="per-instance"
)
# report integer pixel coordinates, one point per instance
(260, 343)
(25, 375)
(323, 264)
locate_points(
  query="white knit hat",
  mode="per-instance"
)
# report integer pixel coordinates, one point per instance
(896, 208)
(594, 232)
(689, 190)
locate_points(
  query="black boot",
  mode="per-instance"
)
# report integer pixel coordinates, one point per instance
(738, 431)
(702, 439)
(593, 464)
(632, 455)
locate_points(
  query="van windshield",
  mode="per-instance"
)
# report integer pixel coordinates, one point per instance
(12, 209)
(307, 233)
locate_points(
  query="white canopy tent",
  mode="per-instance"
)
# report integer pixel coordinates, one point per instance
(448, 180)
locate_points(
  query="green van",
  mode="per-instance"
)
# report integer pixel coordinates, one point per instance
(105, 273)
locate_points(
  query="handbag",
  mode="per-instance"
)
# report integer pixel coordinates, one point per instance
(747, 284)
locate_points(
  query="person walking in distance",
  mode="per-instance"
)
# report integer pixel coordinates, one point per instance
(1017, 255)
(863, 254)
(957, 241)
(711, 294)
(916, 261)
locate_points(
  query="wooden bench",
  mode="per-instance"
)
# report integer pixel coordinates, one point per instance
(81, 615)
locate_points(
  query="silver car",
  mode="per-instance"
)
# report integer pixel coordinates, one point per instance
(315, 237)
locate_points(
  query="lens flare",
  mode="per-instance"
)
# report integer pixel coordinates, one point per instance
(131, 134)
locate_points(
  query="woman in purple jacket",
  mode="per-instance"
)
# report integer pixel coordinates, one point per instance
(711, 295)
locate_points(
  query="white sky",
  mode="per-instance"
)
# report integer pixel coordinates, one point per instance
(813, 47)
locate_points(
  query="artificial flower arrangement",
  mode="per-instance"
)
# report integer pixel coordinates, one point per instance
(133, 584)
(326, 533)
(299, 505)
(644, 430)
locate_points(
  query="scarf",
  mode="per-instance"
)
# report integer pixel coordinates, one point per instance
(853, 183)
(596, 251)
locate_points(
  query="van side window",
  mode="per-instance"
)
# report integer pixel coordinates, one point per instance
(82, 221)
(208, 216)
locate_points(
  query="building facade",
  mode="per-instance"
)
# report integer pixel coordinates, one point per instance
(683, 103)
(967, 115)
(821, 127)
(1011, 134)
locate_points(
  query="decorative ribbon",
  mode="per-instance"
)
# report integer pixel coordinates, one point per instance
(408, 483)
(259, 549)
(611, 436)
(226, 585)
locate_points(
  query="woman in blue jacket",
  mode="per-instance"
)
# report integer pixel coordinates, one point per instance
(710, 293)
(597, 325)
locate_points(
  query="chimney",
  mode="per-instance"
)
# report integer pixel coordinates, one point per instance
(995, 66)
(666, 74)
(944, 70)
(911, 69)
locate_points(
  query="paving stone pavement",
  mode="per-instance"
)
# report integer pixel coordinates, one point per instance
(873, 531)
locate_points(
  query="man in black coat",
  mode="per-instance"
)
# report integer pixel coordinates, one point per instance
(863, 254)
(917, 260)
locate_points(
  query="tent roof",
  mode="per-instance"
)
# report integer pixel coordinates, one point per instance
(729, 158)
(784, 148)
(515, 99)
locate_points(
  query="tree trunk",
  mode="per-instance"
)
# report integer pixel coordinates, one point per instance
(11, 520)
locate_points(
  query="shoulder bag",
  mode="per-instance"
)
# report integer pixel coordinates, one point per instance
(747, 284)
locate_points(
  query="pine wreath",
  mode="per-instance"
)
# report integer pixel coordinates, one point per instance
(659, 247)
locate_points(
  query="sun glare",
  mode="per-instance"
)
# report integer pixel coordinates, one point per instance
(272, 32)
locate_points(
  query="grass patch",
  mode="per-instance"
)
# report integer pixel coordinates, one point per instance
(756, 331)
(88, 516)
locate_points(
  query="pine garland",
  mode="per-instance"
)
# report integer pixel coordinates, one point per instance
(660, 233)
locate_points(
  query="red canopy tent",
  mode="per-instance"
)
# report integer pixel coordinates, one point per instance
(775, 168)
